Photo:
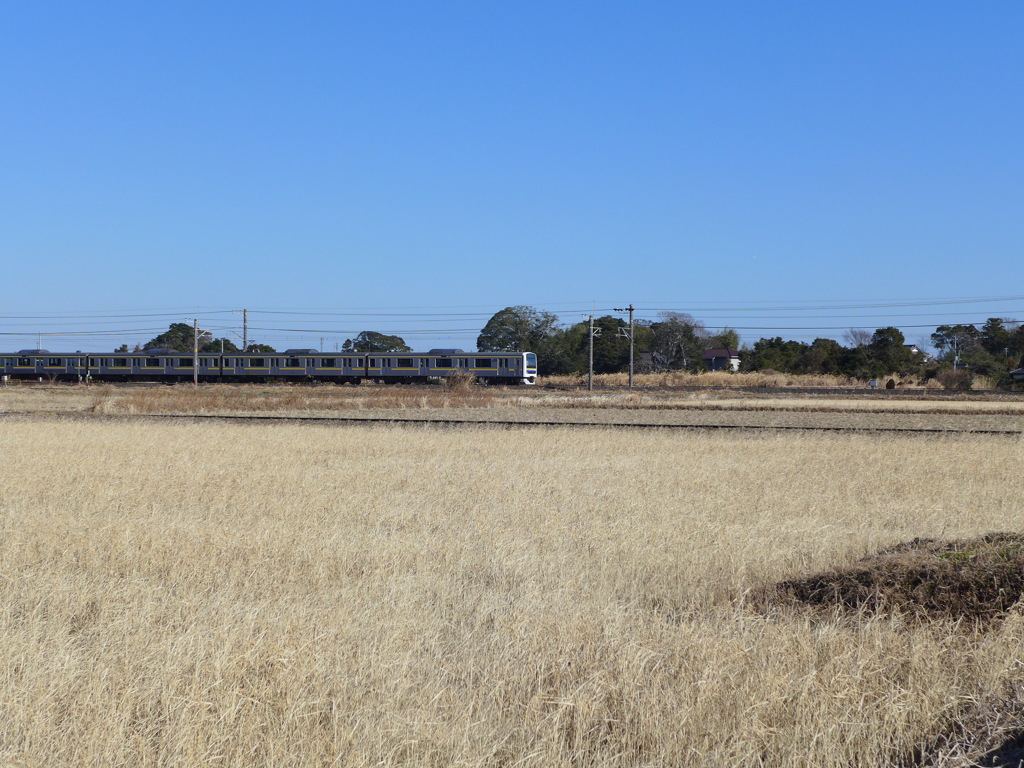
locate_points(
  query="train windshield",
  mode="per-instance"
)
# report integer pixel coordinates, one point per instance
(531, 360)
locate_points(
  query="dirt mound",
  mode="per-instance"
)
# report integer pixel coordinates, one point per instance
(970, 579)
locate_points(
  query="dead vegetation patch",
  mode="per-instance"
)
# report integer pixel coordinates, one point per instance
(972, 580)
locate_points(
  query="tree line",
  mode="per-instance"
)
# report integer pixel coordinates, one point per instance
(678, 341)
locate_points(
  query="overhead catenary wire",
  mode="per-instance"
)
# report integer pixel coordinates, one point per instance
(788, 318)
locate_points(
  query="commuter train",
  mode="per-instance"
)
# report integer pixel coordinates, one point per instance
(167, 365)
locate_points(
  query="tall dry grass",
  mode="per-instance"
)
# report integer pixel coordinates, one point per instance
(294, 399)
(238, 595)
(248, 399)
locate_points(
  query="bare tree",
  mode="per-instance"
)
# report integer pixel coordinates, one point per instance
(857, 337)
(680, 338)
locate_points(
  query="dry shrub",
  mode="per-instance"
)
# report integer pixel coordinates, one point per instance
(979, 381)
(955, 379)
(976, 580)
(461, 381)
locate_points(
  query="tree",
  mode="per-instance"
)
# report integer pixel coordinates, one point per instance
(727, 338)
(257, 349)
(611, 348)
(215, 345)
(887, 352)
(373, 341)
(680, 338)
(517, 329)
(955, 340)
(857, 337)
(822, 356)
(180, 337)
(995, 337)
(776, 354)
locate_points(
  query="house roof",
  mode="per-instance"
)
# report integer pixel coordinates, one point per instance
(713, 353)
(1017, 372)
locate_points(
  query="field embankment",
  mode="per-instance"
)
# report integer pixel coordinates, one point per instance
(228, 594)
(709, 408)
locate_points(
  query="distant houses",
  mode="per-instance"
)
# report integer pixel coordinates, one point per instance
(722, 359)
(914, 349)
(714, 360)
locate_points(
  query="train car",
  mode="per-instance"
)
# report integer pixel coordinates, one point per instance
(42, 364)
(169, 366)
(163, 365)
(485, 367)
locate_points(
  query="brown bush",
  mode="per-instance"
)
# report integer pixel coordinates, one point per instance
(953, 379)
(972, 579)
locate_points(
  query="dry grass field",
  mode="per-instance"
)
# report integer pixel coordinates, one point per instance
(297, 400)
(300, 595)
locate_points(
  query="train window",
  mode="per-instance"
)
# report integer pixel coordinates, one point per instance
(153, 362)
(484, 362)
(257, 362)
(373, 362)
(292, 362)
(54, 361)
(229, 363)
(327, 362)
(120, 362)
(443, 362)
(25, 362)
(184, 362)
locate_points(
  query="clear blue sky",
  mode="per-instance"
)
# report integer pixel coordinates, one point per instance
(726, 159)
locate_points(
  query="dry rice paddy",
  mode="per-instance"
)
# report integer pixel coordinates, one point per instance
(295, 594)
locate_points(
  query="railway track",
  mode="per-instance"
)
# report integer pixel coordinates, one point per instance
(509, 424)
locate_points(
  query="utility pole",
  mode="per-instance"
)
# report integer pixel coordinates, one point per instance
(590, 378)
(593, 332)
(630, 309)
(195, 352)
(245, 330)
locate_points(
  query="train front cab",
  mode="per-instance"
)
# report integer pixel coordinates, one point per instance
(529, 368)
